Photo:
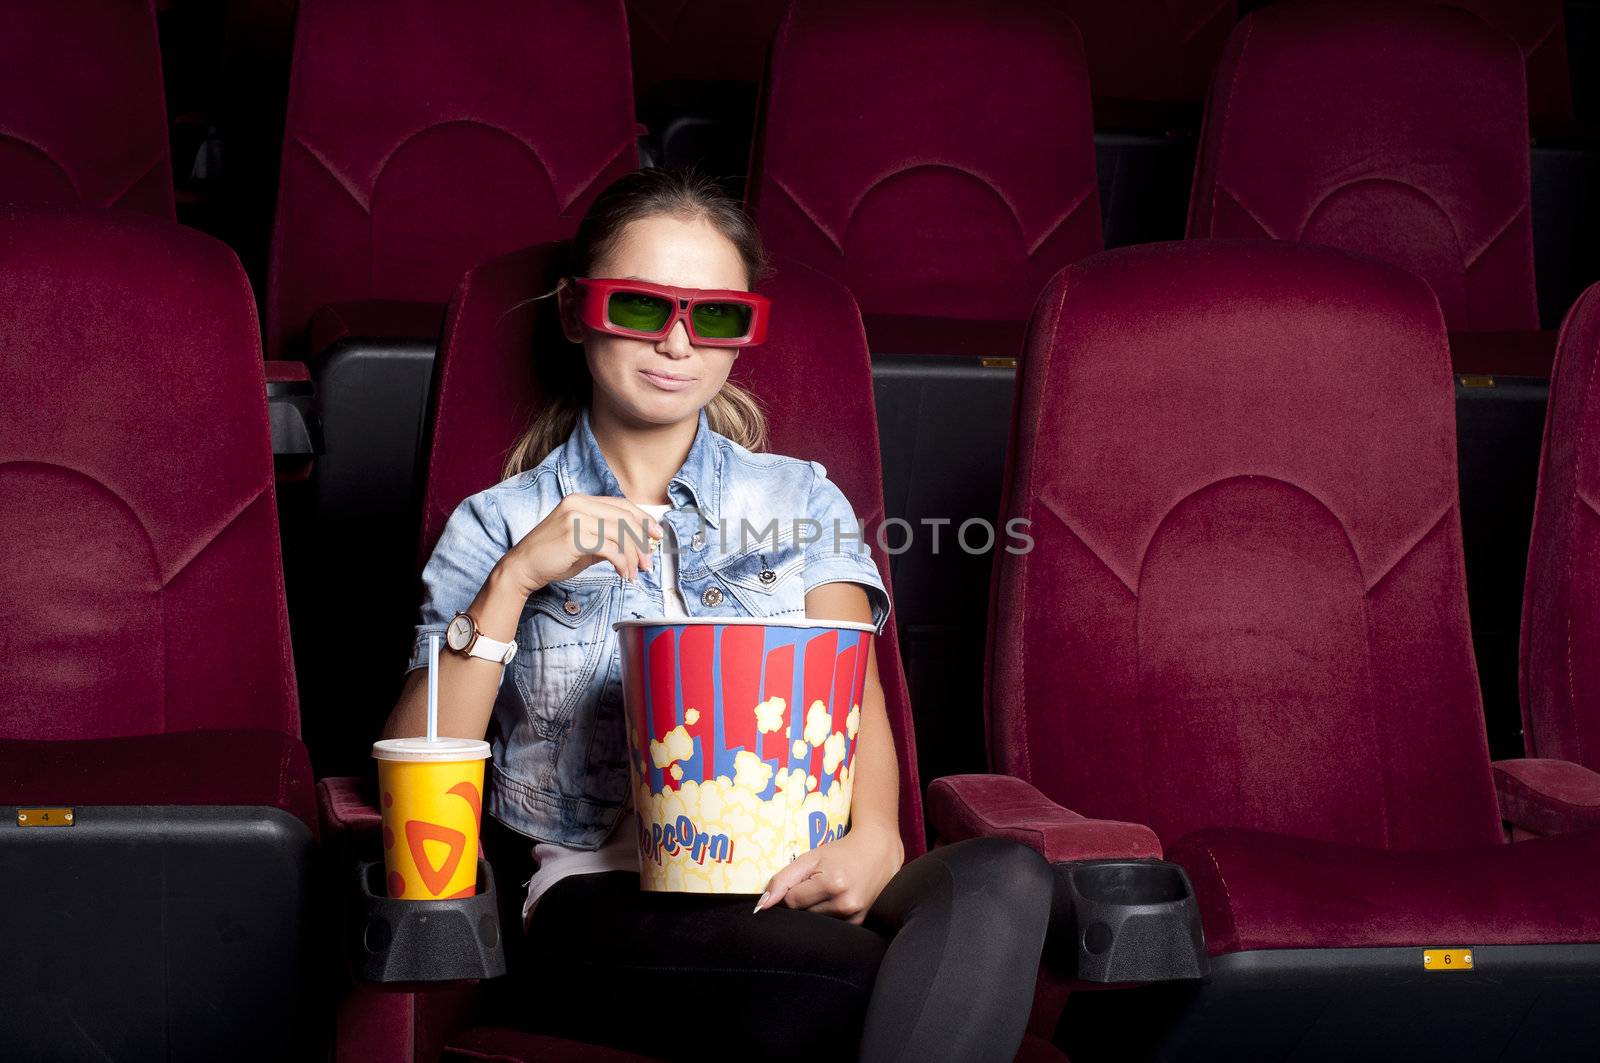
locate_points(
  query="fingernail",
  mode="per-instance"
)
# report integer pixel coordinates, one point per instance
(762, 901)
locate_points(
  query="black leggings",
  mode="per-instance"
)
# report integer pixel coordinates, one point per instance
(943, 968)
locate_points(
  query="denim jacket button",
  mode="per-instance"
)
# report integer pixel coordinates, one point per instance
(712, 597)
(572, 607)
(699, 540)
(767, 575)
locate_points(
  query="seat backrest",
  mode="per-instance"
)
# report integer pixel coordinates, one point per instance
(700, 40)
(1157, 50)
(1540, 29)
(1561, 606)
(83, 120)
(422, 138)
(813, 376)
(1396, 130)
(143, 588)
(1245, 604)
(935, 155)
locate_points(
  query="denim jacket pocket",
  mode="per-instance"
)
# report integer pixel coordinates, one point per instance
(766, 582)
(560, 642)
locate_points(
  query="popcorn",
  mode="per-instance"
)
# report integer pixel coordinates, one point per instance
(792, 786)
(762, 779)
(770, 715)
(818, 723)
(833, 752)
(719, 836)
(750, 772)
(710, 801)
(675, 745)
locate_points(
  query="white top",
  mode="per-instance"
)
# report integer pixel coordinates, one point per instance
(619, 852)
(430, 749)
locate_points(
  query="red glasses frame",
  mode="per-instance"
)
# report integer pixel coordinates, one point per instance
(596, 293)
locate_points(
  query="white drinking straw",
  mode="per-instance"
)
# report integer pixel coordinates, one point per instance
(433, 688)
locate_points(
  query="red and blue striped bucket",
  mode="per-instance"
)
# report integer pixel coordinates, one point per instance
(742, 738)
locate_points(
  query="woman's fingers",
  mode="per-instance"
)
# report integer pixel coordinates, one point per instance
(642, 526)
(625, 545)
(612, 529)
(619, 560)
(835, 905)
(812, 892)
(601, 539)
(791, 876)
(623, 523)
(633, 514)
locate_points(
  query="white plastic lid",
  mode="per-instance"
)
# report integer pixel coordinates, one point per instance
(439, 749)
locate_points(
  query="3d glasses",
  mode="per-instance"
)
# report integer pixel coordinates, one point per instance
(645, 311)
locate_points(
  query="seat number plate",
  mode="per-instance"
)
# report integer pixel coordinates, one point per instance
(44, 817)
(1447, 959)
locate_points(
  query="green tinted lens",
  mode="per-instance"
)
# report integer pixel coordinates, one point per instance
(721, 321)
(638, 312)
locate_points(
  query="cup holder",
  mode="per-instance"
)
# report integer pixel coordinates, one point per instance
(397, 940)
(1131, 883)
(1126, 921)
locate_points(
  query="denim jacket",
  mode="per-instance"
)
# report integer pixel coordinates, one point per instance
(755, 532)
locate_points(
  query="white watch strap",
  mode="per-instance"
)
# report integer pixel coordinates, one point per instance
(489, 649)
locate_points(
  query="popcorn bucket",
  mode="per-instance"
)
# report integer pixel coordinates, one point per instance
(741, 734)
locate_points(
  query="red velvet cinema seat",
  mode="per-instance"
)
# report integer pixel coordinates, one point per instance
(1561, 609)
(1400, 131)
(1396, 130)
(1540, 29)
(421, 138)
(937, 157)
(148, 723)
(813, 375)
(83, 121)
(1243, 622)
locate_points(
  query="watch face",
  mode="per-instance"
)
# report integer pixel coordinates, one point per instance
(460, 633)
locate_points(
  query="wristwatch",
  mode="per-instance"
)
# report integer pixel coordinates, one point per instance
(464, 637)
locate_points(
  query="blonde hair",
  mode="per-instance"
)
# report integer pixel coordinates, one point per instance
(733, 411)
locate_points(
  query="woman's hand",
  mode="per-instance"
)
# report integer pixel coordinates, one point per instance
(580, 531)
(841, 877)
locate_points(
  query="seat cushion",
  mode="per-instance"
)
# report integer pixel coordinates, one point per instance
(1273, 891)
(179, 768)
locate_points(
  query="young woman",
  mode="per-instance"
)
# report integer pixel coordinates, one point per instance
(618, 503)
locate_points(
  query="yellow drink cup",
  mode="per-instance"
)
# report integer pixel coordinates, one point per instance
(431, 795)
